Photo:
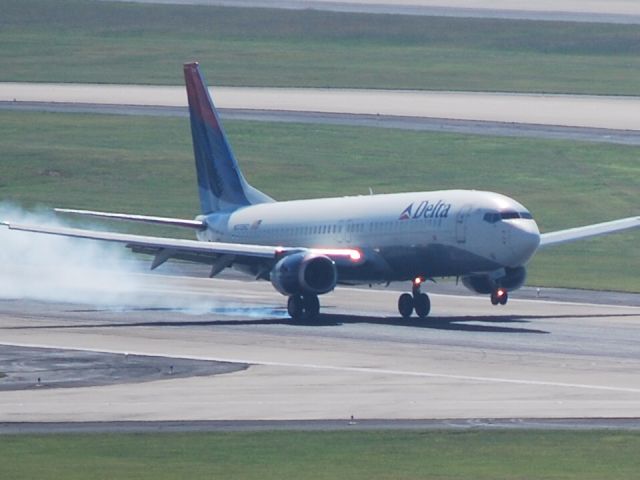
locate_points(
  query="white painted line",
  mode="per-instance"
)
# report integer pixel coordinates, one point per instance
(367, 370)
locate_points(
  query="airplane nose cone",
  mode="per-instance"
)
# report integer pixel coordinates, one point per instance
(525, 240)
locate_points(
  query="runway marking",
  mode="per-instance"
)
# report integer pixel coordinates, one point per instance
(369, 370)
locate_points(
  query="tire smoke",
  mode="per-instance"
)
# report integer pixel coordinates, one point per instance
(59, 269)
(51, 268)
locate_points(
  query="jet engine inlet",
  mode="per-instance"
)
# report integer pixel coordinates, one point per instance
(302, 273)
(484, 284)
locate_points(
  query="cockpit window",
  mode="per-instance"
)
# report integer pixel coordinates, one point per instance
(494, 217)
(509, 215)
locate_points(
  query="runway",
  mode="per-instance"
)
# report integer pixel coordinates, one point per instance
(530, 359)
(582, 111)
(619, 11)
(441, 125)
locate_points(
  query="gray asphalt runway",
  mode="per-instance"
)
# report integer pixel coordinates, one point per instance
(621, 11)
(599, 135)
(529, 359)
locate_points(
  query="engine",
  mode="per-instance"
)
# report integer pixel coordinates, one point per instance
(513, 279)
(302, 273)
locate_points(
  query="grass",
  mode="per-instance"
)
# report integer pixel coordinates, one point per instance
(145, 165)
(324, 455)
(87, 41)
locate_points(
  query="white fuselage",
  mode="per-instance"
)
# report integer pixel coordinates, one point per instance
(440, 233)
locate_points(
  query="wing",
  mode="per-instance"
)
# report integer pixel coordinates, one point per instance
(218, 254)
(579, 233)
(170, 222)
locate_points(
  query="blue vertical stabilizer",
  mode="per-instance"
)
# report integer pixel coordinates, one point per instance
(221, 185)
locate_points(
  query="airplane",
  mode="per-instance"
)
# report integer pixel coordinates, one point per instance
(305, 248)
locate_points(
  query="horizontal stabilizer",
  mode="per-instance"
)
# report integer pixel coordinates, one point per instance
(170, 222)
(579, 233)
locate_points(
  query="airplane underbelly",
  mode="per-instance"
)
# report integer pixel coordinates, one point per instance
(405, 263)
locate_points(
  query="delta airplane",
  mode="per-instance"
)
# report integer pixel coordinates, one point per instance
(307, 247)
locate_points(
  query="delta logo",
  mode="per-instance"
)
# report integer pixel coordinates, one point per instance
(426, 209)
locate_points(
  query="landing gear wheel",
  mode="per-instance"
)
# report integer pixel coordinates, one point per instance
(405, 305)
(494, 299)
(499, 297)
(303, 307)
(295, 307)
(422, 305)
(504, 298)
(311, 306)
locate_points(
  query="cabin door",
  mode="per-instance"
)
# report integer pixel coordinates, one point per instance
(461, 224)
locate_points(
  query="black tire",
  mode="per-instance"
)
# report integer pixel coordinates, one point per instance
(311, 306)
(295, 307)
(405, 305)
(504, 298)
(422, 305)
(494, 299)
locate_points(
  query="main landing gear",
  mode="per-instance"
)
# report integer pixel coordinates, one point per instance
(303, 307)
(499, 297)
(416, 300)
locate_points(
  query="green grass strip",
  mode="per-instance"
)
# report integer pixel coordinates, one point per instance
(398, 455)
(145, 165)
(88, 41)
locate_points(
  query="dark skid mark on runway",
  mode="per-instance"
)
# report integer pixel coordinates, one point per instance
(465, 324)
(229, 311)
(261, 316)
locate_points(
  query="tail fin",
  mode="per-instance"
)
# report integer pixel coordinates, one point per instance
(220, 182)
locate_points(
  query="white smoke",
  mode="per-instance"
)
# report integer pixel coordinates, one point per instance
(52, 268)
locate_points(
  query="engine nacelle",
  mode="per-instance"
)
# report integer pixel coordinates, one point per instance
(485, 284)
(302, 273)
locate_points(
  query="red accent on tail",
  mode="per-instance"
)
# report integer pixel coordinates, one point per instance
(198, 95)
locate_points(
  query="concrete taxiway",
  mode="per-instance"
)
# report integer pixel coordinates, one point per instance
(441, 125)
(529, 359)
(616, 11)
(584, 111)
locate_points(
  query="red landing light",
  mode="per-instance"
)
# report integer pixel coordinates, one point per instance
(418, 281)
(501, 292)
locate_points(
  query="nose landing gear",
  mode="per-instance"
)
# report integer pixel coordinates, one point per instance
(499, 297)
(416, 300)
